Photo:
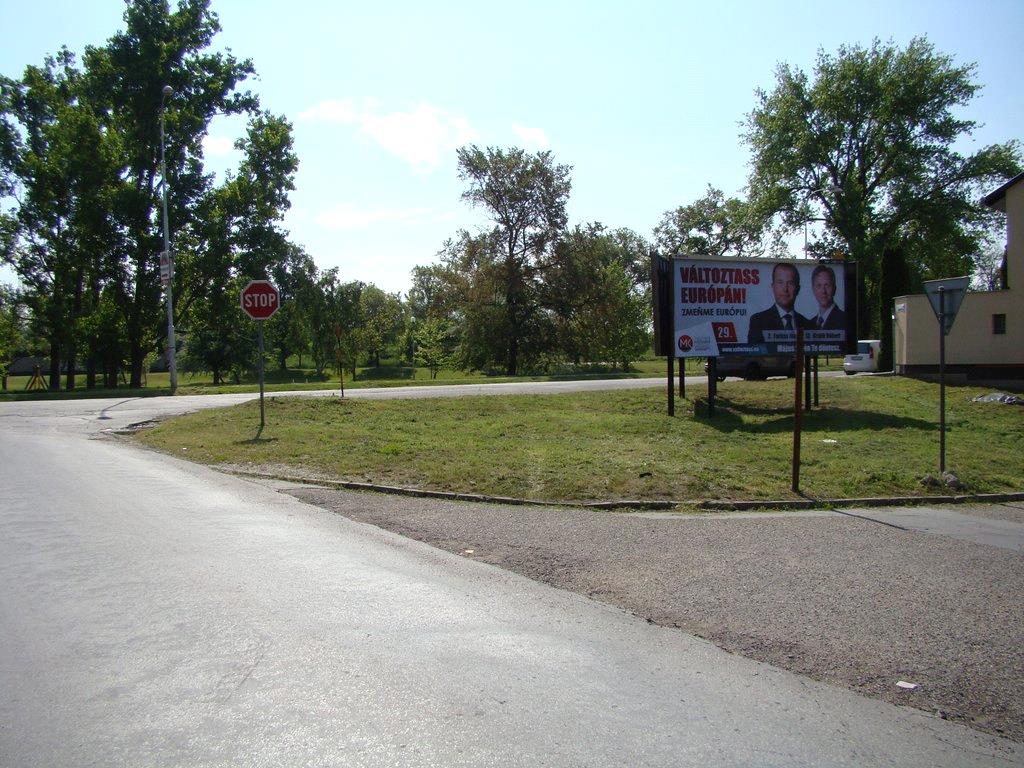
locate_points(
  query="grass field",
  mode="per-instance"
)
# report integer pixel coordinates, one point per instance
(871, 436)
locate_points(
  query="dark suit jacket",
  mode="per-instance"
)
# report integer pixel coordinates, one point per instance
(769, 320)
(836, 321)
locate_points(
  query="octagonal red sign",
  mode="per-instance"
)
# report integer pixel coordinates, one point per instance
(260, 299)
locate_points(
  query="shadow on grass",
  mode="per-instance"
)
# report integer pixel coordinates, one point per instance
(384, 372)
(734, 417)
(257, 439)
(296, 376)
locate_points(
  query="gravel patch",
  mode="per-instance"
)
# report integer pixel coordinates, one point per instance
(832, 597)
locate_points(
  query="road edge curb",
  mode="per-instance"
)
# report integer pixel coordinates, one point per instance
(665, 505)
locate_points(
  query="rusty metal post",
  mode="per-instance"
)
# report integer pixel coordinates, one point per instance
(797, 408)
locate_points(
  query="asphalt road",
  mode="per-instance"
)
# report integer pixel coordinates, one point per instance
(155, 612)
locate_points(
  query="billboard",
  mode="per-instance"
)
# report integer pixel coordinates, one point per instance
(748, 307)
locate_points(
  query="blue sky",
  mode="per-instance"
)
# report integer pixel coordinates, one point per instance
(643, 99)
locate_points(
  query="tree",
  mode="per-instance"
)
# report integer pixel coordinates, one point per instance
(80, 155)
(107, 332)
(601, 311)
(61, 162)
(126, 76)
(868, 148)
(220, 340)
(525, 196)
(433, 345)
(236, 237)
(988, 269)
(288, 331)
(989, 261)
(333, 315)
(711, 226)
(383, 317)
(433, 293)
(12, 338)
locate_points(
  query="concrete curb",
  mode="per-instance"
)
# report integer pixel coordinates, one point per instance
(709, 505)
(873, 501)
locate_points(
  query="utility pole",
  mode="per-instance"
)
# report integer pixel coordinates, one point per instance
(171, 363)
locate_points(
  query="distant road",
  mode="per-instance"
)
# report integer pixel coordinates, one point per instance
(118, 412)
(122, 411)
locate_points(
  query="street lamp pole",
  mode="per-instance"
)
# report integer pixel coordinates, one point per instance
(171, 363)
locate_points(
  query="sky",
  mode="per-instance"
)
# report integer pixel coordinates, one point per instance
(645, 100)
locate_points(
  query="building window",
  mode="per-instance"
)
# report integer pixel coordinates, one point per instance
(998, 324)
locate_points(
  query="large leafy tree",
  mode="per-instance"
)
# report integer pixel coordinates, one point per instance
(12, 329)
(471, 293)
(434, 345)
(869, 146)
(714, 225)
(600, 306)
(80, 156)
(289, 330)
(382, 321)
(433, 293)
(62, 167)
(237, 237)
(334, 317)
(158, 48)
(525, 196)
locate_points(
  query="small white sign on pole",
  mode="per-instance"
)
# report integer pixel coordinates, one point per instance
(165, 268)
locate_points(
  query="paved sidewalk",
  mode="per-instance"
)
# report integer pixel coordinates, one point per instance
(996, 525)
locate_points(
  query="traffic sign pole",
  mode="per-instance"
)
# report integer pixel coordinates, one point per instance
(942, 380)
(259, 323)
(260, 299)
(945, 296)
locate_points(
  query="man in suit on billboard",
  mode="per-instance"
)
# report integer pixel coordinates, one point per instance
(781, 316)
(830, 317)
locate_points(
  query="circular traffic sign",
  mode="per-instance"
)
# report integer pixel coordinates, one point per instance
(260, 299)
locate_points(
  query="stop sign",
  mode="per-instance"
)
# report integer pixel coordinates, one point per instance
(260, 299)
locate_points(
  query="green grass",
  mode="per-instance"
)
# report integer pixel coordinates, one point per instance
(621, 445)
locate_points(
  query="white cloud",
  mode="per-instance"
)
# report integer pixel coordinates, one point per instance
(331, 111)
(347, 216)
(217, 145)
(418, 136)
(532, 138)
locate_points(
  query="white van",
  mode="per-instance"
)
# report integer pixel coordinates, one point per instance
(866, 359)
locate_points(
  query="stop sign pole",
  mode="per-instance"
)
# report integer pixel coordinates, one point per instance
(260, 300)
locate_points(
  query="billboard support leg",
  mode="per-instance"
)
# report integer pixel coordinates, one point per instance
(807, 382)
(797, 409)
(712, 384)
(682, 378)
(815, 381)
(671, 388)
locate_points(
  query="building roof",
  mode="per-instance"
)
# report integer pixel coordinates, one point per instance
(997, 199)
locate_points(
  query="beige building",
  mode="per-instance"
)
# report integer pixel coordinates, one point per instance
(987, 339)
